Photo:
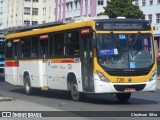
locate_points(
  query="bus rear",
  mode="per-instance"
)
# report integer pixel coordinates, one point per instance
(124, 57)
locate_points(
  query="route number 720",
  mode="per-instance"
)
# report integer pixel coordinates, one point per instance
(120, 80)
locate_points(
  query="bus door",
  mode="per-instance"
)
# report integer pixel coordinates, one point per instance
(44, 54)
(16, 51)
(87, 63)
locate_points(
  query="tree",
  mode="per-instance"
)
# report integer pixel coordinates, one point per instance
(124, 8)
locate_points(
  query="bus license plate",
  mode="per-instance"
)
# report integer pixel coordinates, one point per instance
(129, 90)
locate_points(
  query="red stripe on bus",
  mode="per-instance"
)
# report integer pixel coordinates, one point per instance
(12, 64)
(67, 61)
(63, 61)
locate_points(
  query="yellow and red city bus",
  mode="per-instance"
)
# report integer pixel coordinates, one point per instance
(92, 56)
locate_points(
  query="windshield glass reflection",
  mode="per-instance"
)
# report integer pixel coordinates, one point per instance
(123, 51)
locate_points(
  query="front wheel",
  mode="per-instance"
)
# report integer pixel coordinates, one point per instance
(123, 97)
(75, 94)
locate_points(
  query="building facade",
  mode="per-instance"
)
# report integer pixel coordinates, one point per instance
(67, 9)
(151, 9)
(48, 11)
(15, 13)
(2, 14)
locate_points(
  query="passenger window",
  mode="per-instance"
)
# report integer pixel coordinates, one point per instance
(73, 43)
(29, 47)
(59, 44)
(34, 47)
(9, 49)
(26, 42)
(51, 45)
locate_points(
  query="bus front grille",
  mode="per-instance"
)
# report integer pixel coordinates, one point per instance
(123, 87)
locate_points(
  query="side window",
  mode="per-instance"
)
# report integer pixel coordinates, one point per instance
(51, 45)
(16, 48)
(9, 49)
(44, 45)
(73, 43)
(59, 44)
(34, 47)
(26, 42)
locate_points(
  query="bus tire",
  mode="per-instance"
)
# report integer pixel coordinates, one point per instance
(123, 97)
(75, 94)
(27, 85)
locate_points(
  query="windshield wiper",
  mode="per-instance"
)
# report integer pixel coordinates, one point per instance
(135, 40)
(115, 38)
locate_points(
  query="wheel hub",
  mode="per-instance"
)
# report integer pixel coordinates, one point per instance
(74, 90)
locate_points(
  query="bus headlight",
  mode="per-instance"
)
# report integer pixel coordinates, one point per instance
(154, 76)
(102, 77)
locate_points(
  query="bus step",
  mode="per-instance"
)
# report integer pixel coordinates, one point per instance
(44, 88)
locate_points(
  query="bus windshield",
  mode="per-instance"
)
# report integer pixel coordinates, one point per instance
(125, 51)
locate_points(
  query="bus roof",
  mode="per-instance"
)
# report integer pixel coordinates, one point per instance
(60, 26)
(49, 29)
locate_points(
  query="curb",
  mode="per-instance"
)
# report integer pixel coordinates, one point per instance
(5, 99)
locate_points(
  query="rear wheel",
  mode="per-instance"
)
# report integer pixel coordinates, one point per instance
(27, 85)
(123, 97)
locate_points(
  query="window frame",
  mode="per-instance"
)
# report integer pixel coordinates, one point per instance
(35, 11)
(143, 3)
(137, 2)
(27, 10)
(158, 1)
(150, 16)
(158, 18)
(27, 23)
(100, 2)
(34, 22)
(35, 0)
(150, 2)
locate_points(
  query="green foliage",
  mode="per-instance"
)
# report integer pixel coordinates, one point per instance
(123, 8)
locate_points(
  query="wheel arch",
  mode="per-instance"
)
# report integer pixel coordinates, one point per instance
(24, 75)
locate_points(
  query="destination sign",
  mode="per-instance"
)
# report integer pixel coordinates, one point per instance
(119, 25)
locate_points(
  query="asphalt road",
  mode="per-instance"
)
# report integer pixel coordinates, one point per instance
(61, 101)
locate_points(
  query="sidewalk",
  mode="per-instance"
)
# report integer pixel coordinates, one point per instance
(5, 99)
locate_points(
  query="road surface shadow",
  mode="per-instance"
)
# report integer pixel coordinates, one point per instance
(2, 79)
(90, 98)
